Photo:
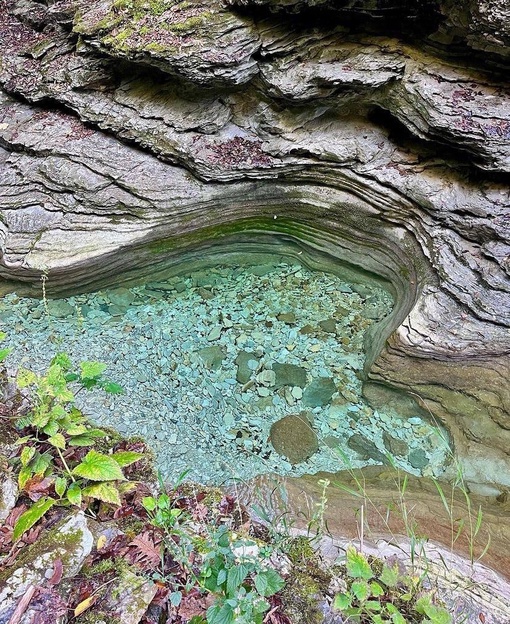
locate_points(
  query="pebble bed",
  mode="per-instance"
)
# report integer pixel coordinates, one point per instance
(195, 355)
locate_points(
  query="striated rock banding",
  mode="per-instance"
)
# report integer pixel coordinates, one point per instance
(348, 145)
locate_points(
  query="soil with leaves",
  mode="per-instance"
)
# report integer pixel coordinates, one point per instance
(206, 561)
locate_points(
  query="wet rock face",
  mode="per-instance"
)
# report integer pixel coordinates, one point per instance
(196, 121)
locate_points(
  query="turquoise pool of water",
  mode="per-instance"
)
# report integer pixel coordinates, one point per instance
(211, 359)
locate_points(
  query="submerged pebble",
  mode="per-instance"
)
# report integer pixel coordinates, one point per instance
(212, 360)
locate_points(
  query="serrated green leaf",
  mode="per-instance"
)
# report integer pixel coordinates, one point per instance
(268, 582)
(74, 494)
(217, 614)
(51, 428)
(376, 590)
(76, 430)
(342, 602)
(27, 520)
(357, 565)
(96, 433)
(62, 360)
(235, 578)
(41, 462)
(361, 590)
(98, 467)
(57, 440)
(41, 417)
(372, 605)
(60, 486)
(105, 492)
(26, 455)
(3, 336)
(126, 458)
(112, 388)
(57, 412)
(92, 370)
(25, 378)
(81, 440)
(389, 576)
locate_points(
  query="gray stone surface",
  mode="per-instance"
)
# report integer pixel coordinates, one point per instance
(71, 542)
(289, 375)
(319, 392)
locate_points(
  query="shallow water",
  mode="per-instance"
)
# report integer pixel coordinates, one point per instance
(173, 346)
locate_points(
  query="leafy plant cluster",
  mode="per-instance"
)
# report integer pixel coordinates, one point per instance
(55, 456)
(380, 594)
(233, 570)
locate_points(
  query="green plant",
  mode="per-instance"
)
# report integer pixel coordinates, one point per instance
(3, 352)
(233, 569)
(377, 593)
(56, 429)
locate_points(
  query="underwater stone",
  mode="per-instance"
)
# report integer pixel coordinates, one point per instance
(212, 357)
(394, 445)
(366, 449)
(289, 375)
(122, 298)
(328, 326)
(287, 317)
(418, 459)
(294, 438)
(244, 371)
(319, 392)
(60, 308)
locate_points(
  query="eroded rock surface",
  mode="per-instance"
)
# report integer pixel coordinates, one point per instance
(132, 131)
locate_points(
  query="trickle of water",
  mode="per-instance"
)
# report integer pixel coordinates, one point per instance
(214, 362)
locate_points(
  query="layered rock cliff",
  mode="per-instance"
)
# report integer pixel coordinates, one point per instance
(133, 130)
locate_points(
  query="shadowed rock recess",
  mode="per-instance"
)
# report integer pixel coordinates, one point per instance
(132, 131)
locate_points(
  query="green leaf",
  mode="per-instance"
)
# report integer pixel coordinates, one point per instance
(217, 614)
(31, 516)
(376, 590)
(4, 353)
(268, 582)
(235, 578)
(57, 440)
(437, 615)
(105, 492)
(222, 577)
(342, 601)
(26, 454)
(92, 370)
(74, 494)
(41, 462)
(361, 590)
(389, 576)
(175, 598)
(73, 430)
(98, 467)
(60, 486)
(398, 618)
(62, 360)
(82, 440)
(126, 458)
(357, 565)
(372, 605)
(24, 475)
(25, 378)
(149, 503)
(112, 388)
(51, 428)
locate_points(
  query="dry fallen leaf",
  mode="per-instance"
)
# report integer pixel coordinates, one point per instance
(84, 605)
